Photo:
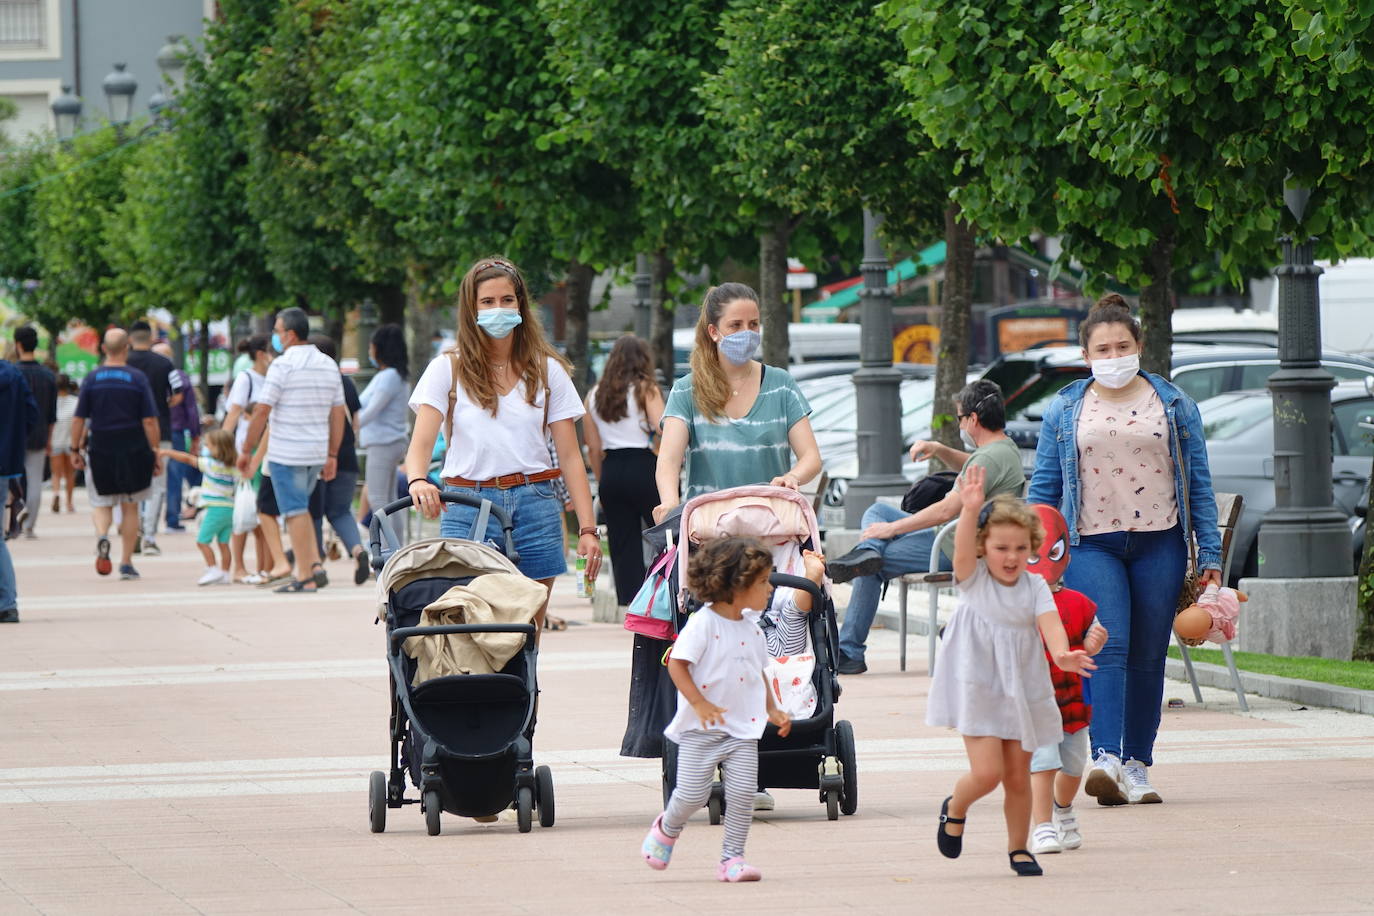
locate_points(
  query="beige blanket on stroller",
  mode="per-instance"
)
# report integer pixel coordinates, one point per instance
(491, 598)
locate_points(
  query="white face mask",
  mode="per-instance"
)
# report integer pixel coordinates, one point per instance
(1116, 373)
(967, 440)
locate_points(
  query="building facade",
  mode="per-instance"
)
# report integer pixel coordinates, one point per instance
(46, 44)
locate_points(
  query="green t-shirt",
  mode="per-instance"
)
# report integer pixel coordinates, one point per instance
(736, 453)
(1001, 459)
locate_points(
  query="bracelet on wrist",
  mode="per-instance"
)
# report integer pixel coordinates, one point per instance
(589, 529)
(415, 480)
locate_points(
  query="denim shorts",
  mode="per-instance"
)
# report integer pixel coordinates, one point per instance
(292, 486)
(1069, 755)
(537, 514)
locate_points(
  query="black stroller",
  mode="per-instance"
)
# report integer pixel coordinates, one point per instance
(465, 740)
(819, 752)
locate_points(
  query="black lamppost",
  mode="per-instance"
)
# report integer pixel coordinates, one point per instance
(1304, 536)
(644, 291)
(66, 112)
(120, 87)
(877, 385)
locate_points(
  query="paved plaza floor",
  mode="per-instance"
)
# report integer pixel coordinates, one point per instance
(166, 748)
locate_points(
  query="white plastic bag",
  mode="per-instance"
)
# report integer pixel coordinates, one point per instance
(789, 679)
(245, 508)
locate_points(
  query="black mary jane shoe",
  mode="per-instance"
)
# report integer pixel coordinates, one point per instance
(950, 846)
(1024, 869)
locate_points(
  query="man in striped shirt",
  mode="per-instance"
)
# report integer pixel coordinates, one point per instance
(303, 395)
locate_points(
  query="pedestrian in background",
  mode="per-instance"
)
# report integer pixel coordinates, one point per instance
(623, 410)
(63, 472)
(217, 497)
(333, 499)
(1123, 456)
(303, 396)
(117, 411)
(383, 420)
(18, 406)
(166, 394)
(185, 438)
(43, 386)
(270, 560)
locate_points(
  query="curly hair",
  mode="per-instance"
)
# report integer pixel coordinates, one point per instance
(1008, 510)
(722, 567)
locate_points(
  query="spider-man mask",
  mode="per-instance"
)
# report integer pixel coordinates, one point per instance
(1053, 558)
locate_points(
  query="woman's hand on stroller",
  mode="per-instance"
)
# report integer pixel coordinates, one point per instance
(709, 713)
(425, 496)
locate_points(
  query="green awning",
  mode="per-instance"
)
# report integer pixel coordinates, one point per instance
(830, 308)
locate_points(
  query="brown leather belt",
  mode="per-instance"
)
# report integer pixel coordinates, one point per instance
(506, 481)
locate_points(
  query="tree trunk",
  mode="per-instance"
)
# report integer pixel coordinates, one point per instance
(421, 320)
(1157, 306)
(956, 309)
(205, 367)
(773, 291)
(334, 324)
(661, 327)
(1364, 587)
(391, 304)
(579, 283)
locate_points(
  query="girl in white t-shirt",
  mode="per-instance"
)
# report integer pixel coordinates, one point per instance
(992, 682)
(723, 700)
(495, 396)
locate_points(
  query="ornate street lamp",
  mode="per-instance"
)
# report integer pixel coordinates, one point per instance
(171, 60)
(158, 103)
(120, 87)
(66, 112)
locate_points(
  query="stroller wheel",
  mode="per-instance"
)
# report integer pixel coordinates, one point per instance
(832, 805)
(715, 805)
(849, 767)
(432, 807)
(376, 800)
(524, 808)
(543, 781)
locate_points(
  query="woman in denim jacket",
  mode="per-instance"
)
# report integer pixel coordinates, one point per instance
(1124, 459)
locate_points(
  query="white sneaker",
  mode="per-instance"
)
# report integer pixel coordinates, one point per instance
(225, 578)
(1066, 825)
(763, 801)
(150, 548)
(1137, 780)
(1105, 781)
(1044, 838)
(210, 576)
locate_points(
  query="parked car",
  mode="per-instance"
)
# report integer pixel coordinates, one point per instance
(1030, 379)
(1239, 427)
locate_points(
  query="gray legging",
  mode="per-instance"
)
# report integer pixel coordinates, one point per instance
(381, 481)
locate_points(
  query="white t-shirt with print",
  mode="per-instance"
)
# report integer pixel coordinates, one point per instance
(726, 658)
(512, 442)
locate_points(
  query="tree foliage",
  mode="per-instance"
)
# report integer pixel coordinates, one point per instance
(20, 266)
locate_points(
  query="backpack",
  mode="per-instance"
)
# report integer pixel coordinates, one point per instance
(928, 491)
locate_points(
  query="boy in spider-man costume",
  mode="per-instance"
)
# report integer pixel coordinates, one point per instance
(1057, 769)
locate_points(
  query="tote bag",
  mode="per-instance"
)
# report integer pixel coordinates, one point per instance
(651, 611)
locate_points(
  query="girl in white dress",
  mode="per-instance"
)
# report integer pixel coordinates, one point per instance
(992, 683)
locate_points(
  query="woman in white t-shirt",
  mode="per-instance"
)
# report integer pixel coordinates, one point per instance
(271, 556)
(510, 385)
(625, 408)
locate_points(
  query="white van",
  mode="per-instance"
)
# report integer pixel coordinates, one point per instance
(807, 343)
(1346, 289)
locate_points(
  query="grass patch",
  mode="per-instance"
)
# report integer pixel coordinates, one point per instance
(1359, 675)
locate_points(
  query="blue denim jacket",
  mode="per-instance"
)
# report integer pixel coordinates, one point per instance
(1055, 480)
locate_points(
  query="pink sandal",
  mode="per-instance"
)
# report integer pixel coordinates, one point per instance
(736, 869)
(658, 846)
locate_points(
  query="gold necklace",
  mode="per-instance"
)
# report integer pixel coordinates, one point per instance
(734, 383)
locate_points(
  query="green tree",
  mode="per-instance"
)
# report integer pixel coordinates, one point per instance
(20, 267)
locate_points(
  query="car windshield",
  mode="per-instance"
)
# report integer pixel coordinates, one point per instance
(835, 410)
(1228, 415)
(1030, 402)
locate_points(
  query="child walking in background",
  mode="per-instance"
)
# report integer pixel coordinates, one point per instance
(992, 683)
(216, 464)
(1057, 769)
(723, 700)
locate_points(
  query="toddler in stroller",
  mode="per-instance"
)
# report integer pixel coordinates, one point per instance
(463, 695)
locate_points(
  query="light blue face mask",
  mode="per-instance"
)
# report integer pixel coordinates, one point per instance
(372, 360)
(740, 347)
(276, 343)
(499, 322)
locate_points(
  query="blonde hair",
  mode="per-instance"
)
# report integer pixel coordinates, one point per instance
(530, 350)
(1008, 510)
(221, 445)
(710, 388)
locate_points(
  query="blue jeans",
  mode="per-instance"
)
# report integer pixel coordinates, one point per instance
(906, 553)
(177, 475)
(1134, 577)
(293, 486)
(333, 499)
(536, 513)
(9, 589)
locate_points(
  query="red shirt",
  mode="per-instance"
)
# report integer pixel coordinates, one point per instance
(1077, 611)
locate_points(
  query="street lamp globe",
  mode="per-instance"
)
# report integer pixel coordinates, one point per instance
(120, 87)
(66, 111)
(171, 60)
(157, 103)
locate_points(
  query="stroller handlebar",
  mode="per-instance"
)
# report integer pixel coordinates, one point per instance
(805, 585)
(401, 634)
(405, 502)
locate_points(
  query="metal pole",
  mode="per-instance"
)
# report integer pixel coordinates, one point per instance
(877, 387)
(644, 295)
(1304, 535)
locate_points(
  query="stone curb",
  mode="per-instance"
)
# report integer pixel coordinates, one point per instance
(1308, 693)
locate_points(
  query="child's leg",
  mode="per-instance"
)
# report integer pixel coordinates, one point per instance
(1016, 804)
(224, 554)
(697, 756)
(1073, 752)
(207, 553)
(741, 778)
(985, 772)
(237, 544)
(1043, 791)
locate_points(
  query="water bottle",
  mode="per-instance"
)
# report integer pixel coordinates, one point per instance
(584, 587)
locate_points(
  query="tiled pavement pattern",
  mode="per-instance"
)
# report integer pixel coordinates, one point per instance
(172, 749)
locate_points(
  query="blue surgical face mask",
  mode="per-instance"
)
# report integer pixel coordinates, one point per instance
(499, 322)
(740, 347)
(205, 451)
(276, 343)
(372, 360)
